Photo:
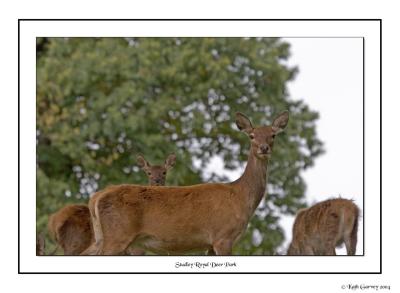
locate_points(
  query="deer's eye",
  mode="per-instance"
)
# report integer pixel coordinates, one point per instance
(251, 135)
(273, 136)
(164, 173)
(148, 173)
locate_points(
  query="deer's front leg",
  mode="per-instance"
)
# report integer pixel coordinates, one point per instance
(223, 247)
(210, 252)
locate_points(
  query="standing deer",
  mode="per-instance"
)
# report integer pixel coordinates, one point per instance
(71, 226)
(175, 220)
(319, 229)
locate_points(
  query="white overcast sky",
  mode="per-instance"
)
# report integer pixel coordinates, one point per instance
(330, 82)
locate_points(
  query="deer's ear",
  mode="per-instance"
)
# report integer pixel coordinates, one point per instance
(142, 163)
(170, 161)
(280, 122)
(243, 123)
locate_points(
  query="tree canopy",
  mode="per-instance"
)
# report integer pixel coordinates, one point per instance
(102, 101)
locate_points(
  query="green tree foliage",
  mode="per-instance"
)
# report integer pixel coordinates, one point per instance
(102, 101)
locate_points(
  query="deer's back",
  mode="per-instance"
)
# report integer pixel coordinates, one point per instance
(170, 200)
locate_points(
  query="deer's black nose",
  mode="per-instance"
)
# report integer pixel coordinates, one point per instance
(264, 149)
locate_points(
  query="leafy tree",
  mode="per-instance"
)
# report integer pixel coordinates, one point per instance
(101, 101)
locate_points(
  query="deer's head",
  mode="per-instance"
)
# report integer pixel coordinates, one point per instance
(156, 173)
(262, 138)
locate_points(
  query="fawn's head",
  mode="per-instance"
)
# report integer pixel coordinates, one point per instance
(156, 173)
(262, 138)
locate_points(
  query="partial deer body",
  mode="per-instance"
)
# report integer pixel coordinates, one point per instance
(156, 175)
(318, 230)
(71, 226)
(176, 220)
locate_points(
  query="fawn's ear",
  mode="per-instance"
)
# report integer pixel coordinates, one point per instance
(142, 162)
(280, 122)
(243, 123)
(170, 161)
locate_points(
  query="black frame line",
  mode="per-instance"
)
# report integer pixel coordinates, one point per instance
(200, 19)
(248, 20)
(363, 187)
(380, 136)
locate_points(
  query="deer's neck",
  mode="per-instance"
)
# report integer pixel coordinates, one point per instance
(253, 182)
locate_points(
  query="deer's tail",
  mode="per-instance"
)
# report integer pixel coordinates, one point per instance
(354, 231)
(351, 215)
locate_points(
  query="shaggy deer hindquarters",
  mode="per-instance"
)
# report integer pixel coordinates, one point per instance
(71, 226)
(176, 220)
(319, 229)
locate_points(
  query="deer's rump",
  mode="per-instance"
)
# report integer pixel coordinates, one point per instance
(71, 228)
(319, 229)
(171, 219)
